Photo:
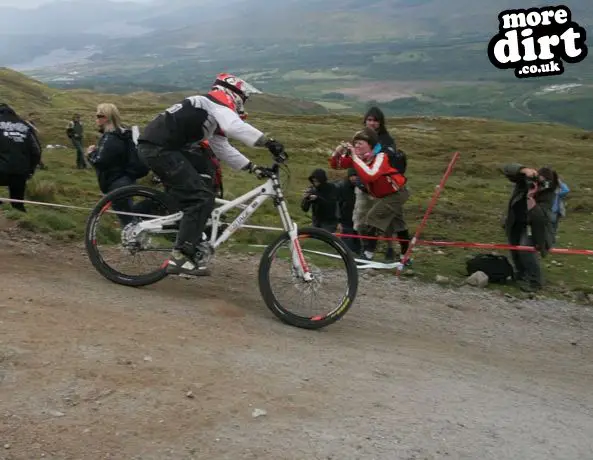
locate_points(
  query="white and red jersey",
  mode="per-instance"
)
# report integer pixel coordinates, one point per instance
(199, 118)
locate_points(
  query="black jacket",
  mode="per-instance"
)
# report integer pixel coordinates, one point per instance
(111, 157)
(539, 218)
(20, 151)
(325, 207)
(346, 200)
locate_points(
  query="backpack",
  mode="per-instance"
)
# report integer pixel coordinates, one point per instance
(136, 168)
(497, 267)
(397, 159)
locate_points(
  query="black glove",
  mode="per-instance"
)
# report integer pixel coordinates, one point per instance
(255, 169)
(275, 147)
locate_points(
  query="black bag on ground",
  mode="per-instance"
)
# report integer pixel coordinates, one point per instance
(497, 267)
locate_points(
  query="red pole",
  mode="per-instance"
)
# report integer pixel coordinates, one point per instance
(433, 202)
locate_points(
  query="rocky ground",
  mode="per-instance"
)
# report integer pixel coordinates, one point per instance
(202, 370)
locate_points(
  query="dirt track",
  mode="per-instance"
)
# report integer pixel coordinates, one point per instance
(92, 370)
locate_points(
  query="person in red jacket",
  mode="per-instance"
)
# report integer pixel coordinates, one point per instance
(379, 173)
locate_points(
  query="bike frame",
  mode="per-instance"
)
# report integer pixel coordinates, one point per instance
(258, 196)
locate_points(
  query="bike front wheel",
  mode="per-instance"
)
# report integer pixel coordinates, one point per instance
(332, 289)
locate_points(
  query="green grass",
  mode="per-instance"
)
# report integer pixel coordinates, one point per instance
(469, 208)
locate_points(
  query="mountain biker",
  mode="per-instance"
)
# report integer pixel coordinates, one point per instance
(214, 117)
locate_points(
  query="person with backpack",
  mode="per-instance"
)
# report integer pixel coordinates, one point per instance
(374, 119)
(216, 116)
(115, 157)
(381, 174)
(529, 220)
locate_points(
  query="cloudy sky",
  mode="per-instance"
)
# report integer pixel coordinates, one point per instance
(35, 3)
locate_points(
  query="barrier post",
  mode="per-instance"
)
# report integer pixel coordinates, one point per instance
(431, 205)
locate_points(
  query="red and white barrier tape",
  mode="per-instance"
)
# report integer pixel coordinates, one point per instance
(463, 244)
(456, 244)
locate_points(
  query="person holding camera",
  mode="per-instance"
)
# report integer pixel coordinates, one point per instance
(529, 220)
(322, 199)
(382, 175)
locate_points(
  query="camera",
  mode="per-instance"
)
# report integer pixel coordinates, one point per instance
(344, 149)
(543, 183)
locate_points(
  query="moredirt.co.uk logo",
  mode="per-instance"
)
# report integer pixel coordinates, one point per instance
(535, 41)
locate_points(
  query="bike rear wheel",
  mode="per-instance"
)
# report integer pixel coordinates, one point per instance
(105, 225)
(342, 263)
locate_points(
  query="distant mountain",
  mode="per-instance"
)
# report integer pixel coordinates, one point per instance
(125, 30)
(413, 56)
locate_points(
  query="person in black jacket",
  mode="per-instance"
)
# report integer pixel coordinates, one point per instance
(529, 220)
(19, 154)
(75, 132)
(111, 157)
(322, 198)
(346, 199)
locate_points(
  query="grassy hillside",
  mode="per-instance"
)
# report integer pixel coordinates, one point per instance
(469, 209)
(25, 95)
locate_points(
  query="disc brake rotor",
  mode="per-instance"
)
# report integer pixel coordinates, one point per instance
(134, 240)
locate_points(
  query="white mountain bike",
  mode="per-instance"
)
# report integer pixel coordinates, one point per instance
(136, 229)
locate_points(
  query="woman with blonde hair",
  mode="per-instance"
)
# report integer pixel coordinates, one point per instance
(111, 156)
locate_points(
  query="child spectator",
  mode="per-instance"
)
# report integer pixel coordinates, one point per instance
(322, 199)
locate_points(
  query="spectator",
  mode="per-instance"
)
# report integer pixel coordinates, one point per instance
(19, 154)
(381, 175)
(111, 156)
(559, 207)
(529, 220)
(31, 122)
(375, 119)
(346, 200)
(322, 199)
(75, 132)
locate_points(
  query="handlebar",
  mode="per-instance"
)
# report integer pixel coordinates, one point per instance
(279, 159)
